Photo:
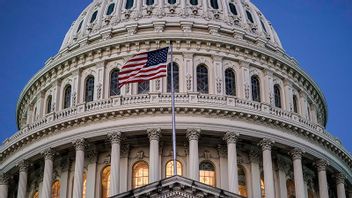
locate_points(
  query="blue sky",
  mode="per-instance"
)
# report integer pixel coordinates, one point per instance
(318, 33)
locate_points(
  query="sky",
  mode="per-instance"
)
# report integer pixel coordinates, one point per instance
(317, 33)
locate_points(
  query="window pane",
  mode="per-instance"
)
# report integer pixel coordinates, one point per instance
(295, 104)
(171, 1)
(277, 95)
(214, 4)
(230, 82)
(94, 16)
(233, 9)
(140, 174)
(67, 97)
(207, 173)
(149, 2)
(176, 77)
(80, 26)
(194, 2)
(89, 95)
(249, 16)
(114, 83)
(202, 79)
(49, 104)
(143, 87)
(255, 88)
(129, 4)
(111, 9)
(170, 168)
(105, 182)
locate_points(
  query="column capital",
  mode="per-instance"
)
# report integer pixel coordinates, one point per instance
(115, 137)
(79, 144)
(4, 179)
(296, 153)
(266, 144)
(23, 166)
(48, 154)
(193, 134)
(154, 134)
(340, 178)
(321, 165)
(231, 137)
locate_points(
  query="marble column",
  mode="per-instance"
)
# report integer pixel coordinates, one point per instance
(231, 139)
(4, 185)
(92, 157)
(115, 139)
(48, 173)
(125, 150)
(268, 168)
(340, 185)
(79, 166)
(282, 166)
(193, 137)
(154, 170)
(255, 172)
(296, 155)
(224, 181)
(323, 182)
(22, 182)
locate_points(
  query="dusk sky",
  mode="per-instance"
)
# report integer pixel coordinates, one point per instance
(317, 33)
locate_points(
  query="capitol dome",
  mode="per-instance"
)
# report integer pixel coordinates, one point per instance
(249, 121)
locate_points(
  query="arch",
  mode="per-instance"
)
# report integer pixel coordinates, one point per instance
(143, 87)
(176, 77)
(263, 26)
(277, 96)
(129, 4)
(114, 82)
(242, 185)
(233, 9)
(49, 101)
(67, 96)
(295, 103)
(55, 189)
(149, 2)
(249, 16)
(140, 174)
(214, 4)
(89, 89)
(193, 2)
(207, 174)
(105, 182)
(171, 1)
(202, 79)
(230, 82)
(36, 194)
(110, 9)
(169, 168)
(255, 88)
(94, 16)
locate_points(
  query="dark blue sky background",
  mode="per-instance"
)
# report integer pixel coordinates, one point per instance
(318, 33)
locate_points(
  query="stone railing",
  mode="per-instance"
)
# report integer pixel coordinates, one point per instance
(157, 99)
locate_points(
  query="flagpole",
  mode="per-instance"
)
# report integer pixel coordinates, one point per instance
(173, 110)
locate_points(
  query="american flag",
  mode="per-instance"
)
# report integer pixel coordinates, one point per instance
(144, 66)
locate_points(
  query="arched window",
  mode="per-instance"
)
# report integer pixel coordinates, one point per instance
(207, 173)
(67, 97)
(55, 189)
(262, 185)
(255, 88)
(105, 182)
(143, 87)
(230, 82)
(84, 191)
(35, 114)
(202, 79)
(233, 9)
(242, 185)
(170, 168)
(249, 16)
(176, 77)
(114, 83)
(140, 174)
(193, 2)
(149, 2)
(214, 4)
(89, 94)
(129, 4)
(295, 103)
(171, 1)
(277, 96)
(36, 194)
(263, 26)
(49, 104)
(80, 26)
(94, 16)
(110, 9)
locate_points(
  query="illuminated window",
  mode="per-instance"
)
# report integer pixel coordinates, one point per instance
(255, 88)
(170, 168)
(242, 185)
(277, 96)
(55, 189)
(207, 173)
(67, 97)
(36, 194)
(262, 187)
(89, 95)
(230, 82)
(143, 87)
(176, 77)
(84, 185)
(290, 185)
(48, 104)
(114, 83)
(140, 174)
(105, 182)
(202, 79)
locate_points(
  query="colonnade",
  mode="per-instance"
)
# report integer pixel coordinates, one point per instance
(193, 136)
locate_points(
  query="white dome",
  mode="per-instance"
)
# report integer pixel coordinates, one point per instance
(238, 16)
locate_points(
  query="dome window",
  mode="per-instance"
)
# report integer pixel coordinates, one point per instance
(230, 82)
(202, 79)
(193, 2)
(149, 2)
(114, 83)
(176, 77)
(249, 16)
(111, 9)
(295, 103)
(80, 26)
(67, 96)
(207, 173)
(255, 88)
(94, 17)
(214, 4)
(171, 2)
(89, 93)
(277, 95)
(263, 26)
(129, 4)
(233, 9)
(49, 104)
(143, 87)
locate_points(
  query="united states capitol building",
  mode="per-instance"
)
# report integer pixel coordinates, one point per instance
(249, 121)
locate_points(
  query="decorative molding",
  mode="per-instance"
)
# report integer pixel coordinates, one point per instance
(79, 144)
(321, 165)
(115, 137)
(23, 166)
(231, 137)
(266, 144)
(296, 154)
(193, 134)
(4, 179)
(154, 134)
(48, 154)
(340, 178)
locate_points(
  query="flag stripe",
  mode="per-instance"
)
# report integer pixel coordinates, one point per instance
(141, 70)
(143, 74)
